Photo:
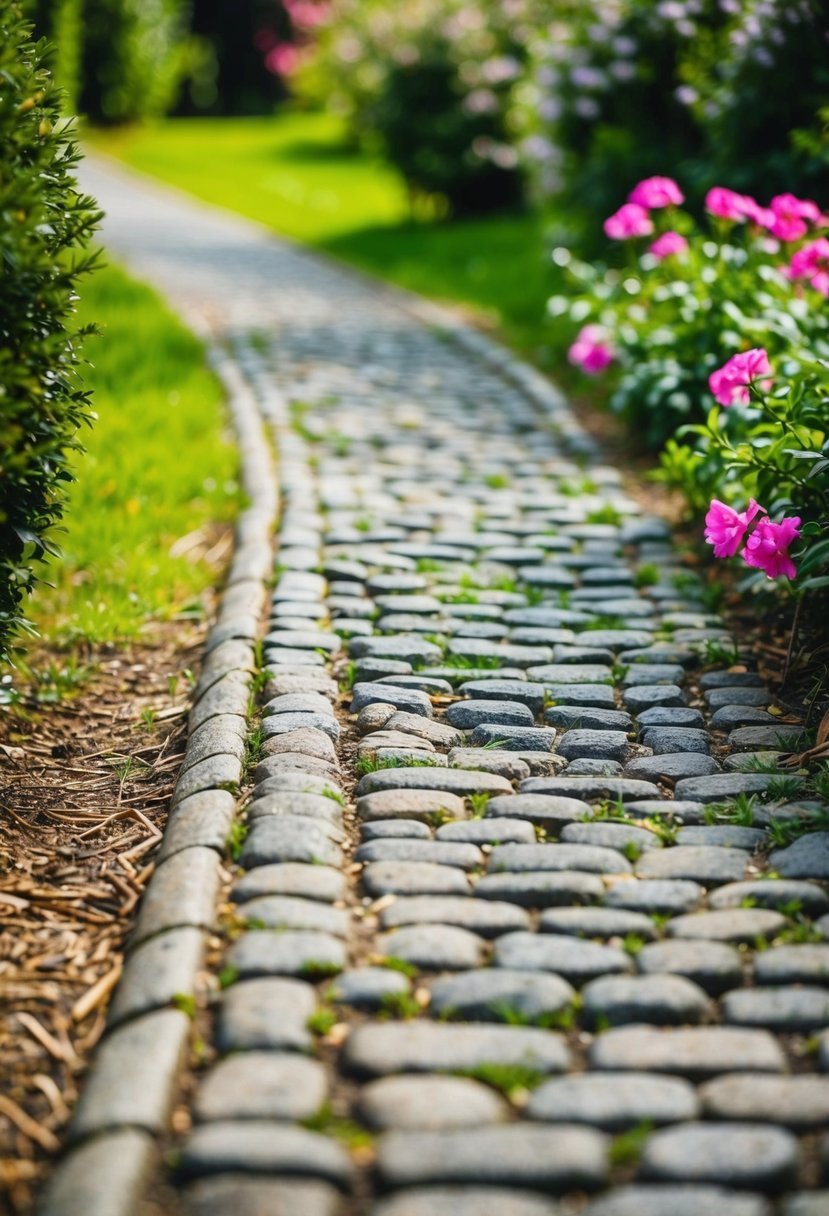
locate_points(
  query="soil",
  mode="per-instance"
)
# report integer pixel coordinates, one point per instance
(84, 791)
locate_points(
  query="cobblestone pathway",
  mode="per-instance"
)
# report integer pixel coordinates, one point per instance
(524, 922)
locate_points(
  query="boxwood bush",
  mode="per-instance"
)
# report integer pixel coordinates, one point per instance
(45, 225)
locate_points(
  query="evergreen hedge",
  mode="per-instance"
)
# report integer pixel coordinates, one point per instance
(45, 226)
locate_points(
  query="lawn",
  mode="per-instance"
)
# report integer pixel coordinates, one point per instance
(141, 520)
(296, 174)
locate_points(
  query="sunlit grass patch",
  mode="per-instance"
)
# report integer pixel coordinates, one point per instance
(296, 173)
(144, 535)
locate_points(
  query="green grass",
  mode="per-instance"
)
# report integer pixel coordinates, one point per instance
(159, 471)
(296, 174)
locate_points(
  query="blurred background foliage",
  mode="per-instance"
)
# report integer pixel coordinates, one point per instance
(484, 104)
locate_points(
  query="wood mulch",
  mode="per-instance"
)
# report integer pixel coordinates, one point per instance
(84, 791)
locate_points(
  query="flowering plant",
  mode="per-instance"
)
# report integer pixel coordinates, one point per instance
(778, 456)
(690, 302)
(616, 87)
(717, 344)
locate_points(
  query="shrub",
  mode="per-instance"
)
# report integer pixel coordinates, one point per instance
(119, 60)
(708, 88)
(686, 298)
(61, 21)
(44, 225)
(774, 465)
(720, 343)
(134, 56)
(428, 84)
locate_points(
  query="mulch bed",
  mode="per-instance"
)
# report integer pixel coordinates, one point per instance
(84, 792)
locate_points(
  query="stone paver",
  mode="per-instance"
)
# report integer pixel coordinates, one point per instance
(614, 1103)
(559, 1159)
(488, 901)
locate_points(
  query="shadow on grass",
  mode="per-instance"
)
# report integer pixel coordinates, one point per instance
(498, 266)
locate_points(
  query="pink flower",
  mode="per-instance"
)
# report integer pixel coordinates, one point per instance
(731, 382)
(726, 204)
(591, 351)
(725, 527)
(812, 263)
(668, 244)
(656, 192)
(282, 59)
(629, 221)
(792, 216)
(763, 217)
(767, 546)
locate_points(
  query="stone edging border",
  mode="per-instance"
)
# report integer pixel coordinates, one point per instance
(125, 1104)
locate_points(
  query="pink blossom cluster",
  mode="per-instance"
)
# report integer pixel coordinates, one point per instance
(732, 382)
(633, 218)
(305, 14)
(591, 350)
(786, 217)
(765, 543)
(812, 263)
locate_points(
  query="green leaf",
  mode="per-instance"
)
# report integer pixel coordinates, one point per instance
(815, 584)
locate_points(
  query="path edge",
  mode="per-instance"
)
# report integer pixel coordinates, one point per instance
(112, 1142)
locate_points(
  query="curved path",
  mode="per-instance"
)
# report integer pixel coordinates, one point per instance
(509, 932)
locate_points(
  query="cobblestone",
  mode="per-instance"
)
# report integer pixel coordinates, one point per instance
(429, 1104)
(788, 1010)
(381, 1050)
(739, 1155)
(541, 889)
(697, 1053)
(430, 466)
(251, 1196)
(712, 965)
(798, 1102)
(575, 960)
(499, 995)
(614, 1103)
(487, 918)
(262, 1085)
(434, 947)
(260, 1146)
(558, 1159)
(683, 1200)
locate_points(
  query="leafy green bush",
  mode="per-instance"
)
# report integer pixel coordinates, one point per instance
(670, 319)
(717, 344)
(706, 89)
(61, 21)
(777, 457)
(44, 225)
(118, 60)
(428, 84)
(133, 57)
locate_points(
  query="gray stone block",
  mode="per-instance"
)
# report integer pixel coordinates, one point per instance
(182, 893)
(381, 1049)
(106, 1176)
(747, 1155)
(265, 1014)
(698, 1053)
(429, 1103)
(132, 1079)
(251, 1196)
(554, 1159)
(261, 1085)
(261, 1146)
(299, 953)
(614, 1103)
